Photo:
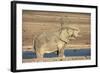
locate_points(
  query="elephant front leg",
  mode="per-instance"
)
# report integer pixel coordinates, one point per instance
(61, 53)
(60, 47)
(39, 56)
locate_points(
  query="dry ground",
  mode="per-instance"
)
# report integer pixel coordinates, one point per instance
(57, 59)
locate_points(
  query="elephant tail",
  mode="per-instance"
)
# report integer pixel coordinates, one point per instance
(33, 45)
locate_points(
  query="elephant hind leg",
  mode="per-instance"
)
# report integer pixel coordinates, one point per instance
(39, 55)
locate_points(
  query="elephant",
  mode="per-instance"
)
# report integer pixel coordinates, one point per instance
(48, 42)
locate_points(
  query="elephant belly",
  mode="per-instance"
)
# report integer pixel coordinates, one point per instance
(49, 47)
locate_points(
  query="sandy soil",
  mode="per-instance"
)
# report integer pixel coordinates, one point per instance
(57, 59)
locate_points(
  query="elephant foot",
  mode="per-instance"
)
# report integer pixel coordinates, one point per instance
(39, 59)
(62, 58)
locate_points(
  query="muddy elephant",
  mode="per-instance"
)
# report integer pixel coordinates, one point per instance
(54, 42)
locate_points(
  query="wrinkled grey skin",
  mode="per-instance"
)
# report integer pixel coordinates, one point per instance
(54, 42)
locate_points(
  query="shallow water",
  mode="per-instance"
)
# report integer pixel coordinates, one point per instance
(81, 52)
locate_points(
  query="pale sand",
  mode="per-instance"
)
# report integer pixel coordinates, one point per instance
(57, 59)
